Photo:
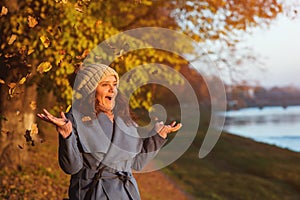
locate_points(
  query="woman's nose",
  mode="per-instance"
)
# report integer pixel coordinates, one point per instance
(112, 88)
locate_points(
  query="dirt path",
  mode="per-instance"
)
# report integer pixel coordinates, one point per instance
(156, 186)
(41, 177)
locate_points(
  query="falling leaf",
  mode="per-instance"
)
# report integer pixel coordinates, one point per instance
(34, 129)
(78, 8)
(12, 38)
(32, 22)
(62, 52)
(44, 67)
(32, 105)
(30, 51)
(12, 85)
(50, 30)
(83, 55)
(59, 28)
(45, 40)
(4, 11)
(22, 50)
(98, 22)
(61, 1)
(68, 108)
(11, 92)
(8, 55)
(22, 81)
(27, 136)
(2, 81)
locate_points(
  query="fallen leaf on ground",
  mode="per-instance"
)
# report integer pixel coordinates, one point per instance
(12, 38)
(32, 22)
(45, 40)
(4, 11)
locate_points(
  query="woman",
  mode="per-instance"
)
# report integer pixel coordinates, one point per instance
(98, 142)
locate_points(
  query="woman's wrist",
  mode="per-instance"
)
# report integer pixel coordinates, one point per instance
(163, 135)
(66, 129)
(163, 132)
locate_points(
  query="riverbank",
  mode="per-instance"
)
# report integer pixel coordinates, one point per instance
(238, 168)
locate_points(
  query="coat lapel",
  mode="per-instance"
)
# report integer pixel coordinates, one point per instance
(95, 136)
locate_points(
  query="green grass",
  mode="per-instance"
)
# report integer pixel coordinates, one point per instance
(238, 168)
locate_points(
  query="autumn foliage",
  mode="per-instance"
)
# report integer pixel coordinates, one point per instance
(44, 43)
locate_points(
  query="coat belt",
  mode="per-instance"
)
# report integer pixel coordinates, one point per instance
(125, 177)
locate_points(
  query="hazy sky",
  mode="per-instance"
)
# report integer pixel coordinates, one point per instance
(279, 47)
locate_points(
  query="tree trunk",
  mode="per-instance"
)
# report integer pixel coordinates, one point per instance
(17, 117)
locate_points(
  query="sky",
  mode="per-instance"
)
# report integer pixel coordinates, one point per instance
(279, 48)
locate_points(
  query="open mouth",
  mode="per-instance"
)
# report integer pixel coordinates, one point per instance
(108, 97)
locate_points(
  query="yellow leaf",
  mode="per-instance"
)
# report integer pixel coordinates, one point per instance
(147, 3)
(12, 38)
(32, 22)
(83, 55)
(45, 40)
(34, 129)
(22, 81)
(32, 105)
(8, 55)
(44, 67)
(2, 81)
(11, 92)
(78, 8)
(4, 11)
(68, 108)
(30, 51)
(22, 50)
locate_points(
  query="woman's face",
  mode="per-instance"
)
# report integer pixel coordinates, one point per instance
(106, 93)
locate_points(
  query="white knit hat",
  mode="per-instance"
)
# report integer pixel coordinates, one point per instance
(88, 78)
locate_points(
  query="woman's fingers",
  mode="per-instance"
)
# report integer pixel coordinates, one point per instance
(62, 114)
(176, 128)
(164, 130)
(62, 124)
(43, 117)
(48, 117)
(173, 123)
(46, 112)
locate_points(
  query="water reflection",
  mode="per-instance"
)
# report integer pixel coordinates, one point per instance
(274, 125)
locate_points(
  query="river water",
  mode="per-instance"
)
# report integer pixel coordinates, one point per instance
(272, 125)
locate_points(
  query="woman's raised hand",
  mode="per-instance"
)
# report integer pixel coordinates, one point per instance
(163, 130)
(63, 125)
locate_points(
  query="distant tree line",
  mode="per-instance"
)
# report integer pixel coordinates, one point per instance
(241, 96)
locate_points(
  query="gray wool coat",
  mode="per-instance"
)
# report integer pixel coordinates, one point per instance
(89, 148)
